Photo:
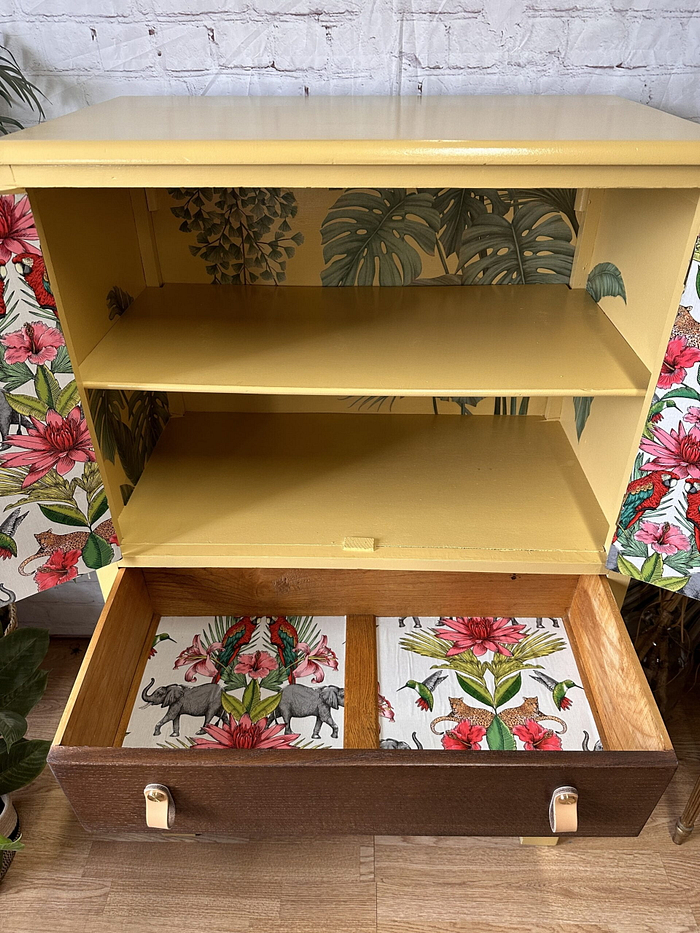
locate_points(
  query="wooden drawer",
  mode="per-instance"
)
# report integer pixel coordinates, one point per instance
(360, 789)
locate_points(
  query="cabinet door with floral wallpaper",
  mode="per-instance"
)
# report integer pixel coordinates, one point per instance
(658, 531)
(54, 516)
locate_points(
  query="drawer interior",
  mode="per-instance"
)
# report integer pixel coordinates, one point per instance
(110, 681)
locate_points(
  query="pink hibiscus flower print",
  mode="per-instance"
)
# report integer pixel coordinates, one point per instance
(16, 227)
(535, 738)
(246, 734)
(255, 665)
(200, 660)
(59, 568)
(692, 416)
(481, 634)
(385, 708)
(60, 443)
(673, 451)
(677, 361)
(664, 538)
(464, 737)
(314, 658)
(35, 342)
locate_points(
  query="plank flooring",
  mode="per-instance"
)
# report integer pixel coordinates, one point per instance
(68, 882)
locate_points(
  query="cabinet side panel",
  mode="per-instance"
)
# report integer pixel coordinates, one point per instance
(95, 266)
(633, 253)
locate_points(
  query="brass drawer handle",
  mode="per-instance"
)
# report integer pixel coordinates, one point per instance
(563, 810)
(160, 806)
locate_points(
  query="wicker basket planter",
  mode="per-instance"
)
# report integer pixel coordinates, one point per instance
(9, 827)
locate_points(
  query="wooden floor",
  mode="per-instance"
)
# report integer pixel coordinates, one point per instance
(68, 882)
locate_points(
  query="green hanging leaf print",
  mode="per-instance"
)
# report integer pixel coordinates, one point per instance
(605, 281)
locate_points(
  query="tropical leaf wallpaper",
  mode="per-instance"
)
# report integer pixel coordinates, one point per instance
(54, 521)
(394, 237)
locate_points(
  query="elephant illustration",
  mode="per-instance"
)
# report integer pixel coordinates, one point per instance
(8, 417)
(203, 700)
(300, 702)
(395, 743)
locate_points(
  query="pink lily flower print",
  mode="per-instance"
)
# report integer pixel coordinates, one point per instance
(60, 443)
(200, 659)
(674, 451)
(481, 634)
(314, 658)
(35, 342)
(16, 227)
(664, 538)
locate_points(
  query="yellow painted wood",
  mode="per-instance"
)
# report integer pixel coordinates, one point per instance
(558, 130)
(89, 243)
(355, 176)
(535, 340)
(649, 236)
(286, 490)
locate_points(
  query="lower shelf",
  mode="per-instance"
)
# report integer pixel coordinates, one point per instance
(473, 493)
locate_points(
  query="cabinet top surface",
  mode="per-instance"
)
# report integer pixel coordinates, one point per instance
(528, 130)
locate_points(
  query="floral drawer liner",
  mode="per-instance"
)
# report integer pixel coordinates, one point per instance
(278, 682)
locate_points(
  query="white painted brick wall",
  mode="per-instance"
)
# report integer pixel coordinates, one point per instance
(85, 51)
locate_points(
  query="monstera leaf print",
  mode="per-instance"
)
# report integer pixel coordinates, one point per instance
(534, 247)
(458, 209)
(562, 200)
(367, 236)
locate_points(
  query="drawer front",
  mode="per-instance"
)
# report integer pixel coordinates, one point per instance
(376, 792)
(363, 789)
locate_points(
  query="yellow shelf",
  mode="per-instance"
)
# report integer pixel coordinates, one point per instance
(535, 340)
(474, 493)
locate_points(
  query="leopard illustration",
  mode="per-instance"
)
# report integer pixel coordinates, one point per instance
(511, 717)
(49, 543)
(686, 326)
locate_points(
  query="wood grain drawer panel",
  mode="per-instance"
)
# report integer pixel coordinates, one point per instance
(352, 790)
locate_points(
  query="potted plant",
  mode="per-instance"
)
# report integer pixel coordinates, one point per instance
(22, 685)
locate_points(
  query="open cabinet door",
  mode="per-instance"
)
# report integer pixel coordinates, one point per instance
(54, 517)
(657, 537)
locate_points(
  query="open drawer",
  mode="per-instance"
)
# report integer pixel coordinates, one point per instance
(361, 789)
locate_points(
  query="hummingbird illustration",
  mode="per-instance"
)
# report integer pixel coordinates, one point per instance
(425, 689)
(558, 690)
(162, 636)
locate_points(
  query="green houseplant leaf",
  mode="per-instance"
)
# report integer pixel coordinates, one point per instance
(367, 236)
(22, 763)
(24, 697)
(12, 727)
(21, 653)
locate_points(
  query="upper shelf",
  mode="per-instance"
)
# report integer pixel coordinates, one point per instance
(143, 134)
(493, 340)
